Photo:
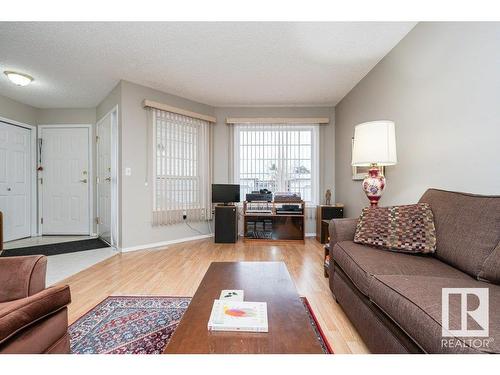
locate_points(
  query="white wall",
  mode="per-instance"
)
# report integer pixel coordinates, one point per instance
(441, 85)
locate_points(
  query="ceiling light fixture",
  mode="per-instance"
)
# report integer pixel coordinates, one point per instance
(19, 79)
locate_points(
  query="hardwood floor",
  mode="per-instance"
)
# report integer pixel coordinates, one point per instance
(177, 270)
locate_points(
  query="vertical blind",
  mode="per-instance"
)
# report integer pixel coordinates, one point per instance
(181, 168)
(277, 157)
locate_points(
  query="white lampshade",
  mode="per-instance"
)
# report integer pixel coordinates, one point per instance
(374, 142)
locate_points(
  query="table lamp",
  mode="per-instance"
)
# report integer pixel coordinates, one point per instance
(374, 146)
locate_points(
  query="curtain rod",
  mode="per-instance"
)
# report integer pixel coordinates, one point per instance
(277, 120)
(165, 107)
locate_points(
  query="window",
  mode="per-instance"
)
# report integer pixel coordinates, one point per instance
(181, 166)
(278, 158)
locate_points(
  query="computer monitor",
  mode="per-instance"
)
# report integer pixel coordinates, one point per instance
(225, 193)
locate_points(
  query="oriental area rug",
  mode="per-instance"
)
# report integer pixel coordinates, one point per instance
(141, 325)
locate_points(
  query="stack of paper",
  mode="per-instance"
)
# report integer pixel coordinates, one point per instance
(230, 313)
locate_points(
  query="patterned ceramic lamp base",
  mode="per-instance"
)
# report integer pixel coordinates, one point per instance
(374, 185)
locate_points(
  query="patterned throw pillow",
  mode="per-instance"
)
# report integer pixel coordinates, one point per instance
(408, 229)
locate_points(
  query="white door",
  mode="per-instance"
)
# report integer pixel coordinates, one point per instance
(15, 181)
(65, 180)
(104, 179)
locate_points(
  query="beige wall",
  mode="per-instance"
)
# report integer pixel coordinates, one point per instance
(66, 116)
(136, 199)
(441, 85)
(327, 143)
(327, 133)
(80, 116)
(13, 110)
(112, 100)
(137, 196)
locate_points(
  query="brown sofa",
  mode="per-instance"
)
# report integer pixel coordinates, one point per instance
(394, 299)
(33, 319)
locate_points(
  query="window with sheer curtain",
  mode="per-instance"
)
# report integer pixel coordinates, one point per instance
(181, 168)
(277, 157)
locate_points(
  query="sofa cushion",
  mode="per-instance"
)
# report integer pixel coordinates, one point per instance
(414, 303)
(490, 270)
(361, 262)
(467, 228)
(21, 313)
(408, 229)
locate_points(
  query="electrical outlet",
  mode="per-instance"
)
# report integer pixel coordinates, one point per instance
(128, 171)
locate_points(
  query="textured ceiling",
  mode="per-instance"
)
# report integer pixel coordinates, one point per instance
(244, 63)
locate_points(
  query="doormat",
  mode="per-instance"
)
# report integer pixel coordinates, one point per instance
(57, 248)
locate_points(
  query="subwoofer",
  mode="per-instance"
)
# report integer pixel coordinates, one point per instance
(226, 224)
(326, 213)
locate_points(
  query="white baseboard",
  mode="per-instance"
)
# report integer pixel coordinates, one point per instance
(165, 243)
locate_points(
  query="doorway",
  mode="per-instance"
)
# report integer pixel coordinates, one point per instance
(16, 179)
(64, 179)
(107, 177)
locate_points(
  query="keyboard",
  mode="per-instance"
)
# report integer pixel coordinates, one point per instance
(260, 235)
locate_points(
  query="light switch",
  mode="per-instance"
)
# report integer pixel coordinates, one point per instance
(128, 171)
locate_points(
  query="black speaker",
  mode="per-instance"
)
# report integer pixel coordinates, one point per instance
(226, 224)
(326, 213)
(331, 212)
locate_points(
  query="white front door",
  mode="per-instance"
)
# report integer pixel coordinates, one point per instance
(104, 179)
(15, 181)
(65, 180)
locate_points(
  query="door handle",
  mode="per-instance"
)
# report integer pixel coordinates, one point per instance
(9, 189)
(84, 180)
(108, 179)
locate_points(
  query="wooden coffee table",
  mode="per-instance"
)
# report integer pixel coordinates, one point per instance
(289, 328)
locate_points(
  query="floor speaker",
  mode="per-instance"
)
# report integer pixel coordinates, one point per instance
(226, 224)
(326, 213)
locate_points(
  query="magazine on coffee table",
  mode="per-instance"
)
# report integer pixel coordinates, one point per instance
(231, 315)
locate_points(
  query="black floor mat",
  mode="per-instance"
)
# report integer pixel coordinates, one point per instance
(57, 248)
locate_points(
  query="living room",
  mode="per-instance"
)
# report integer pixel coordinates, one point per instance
(320, 187)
